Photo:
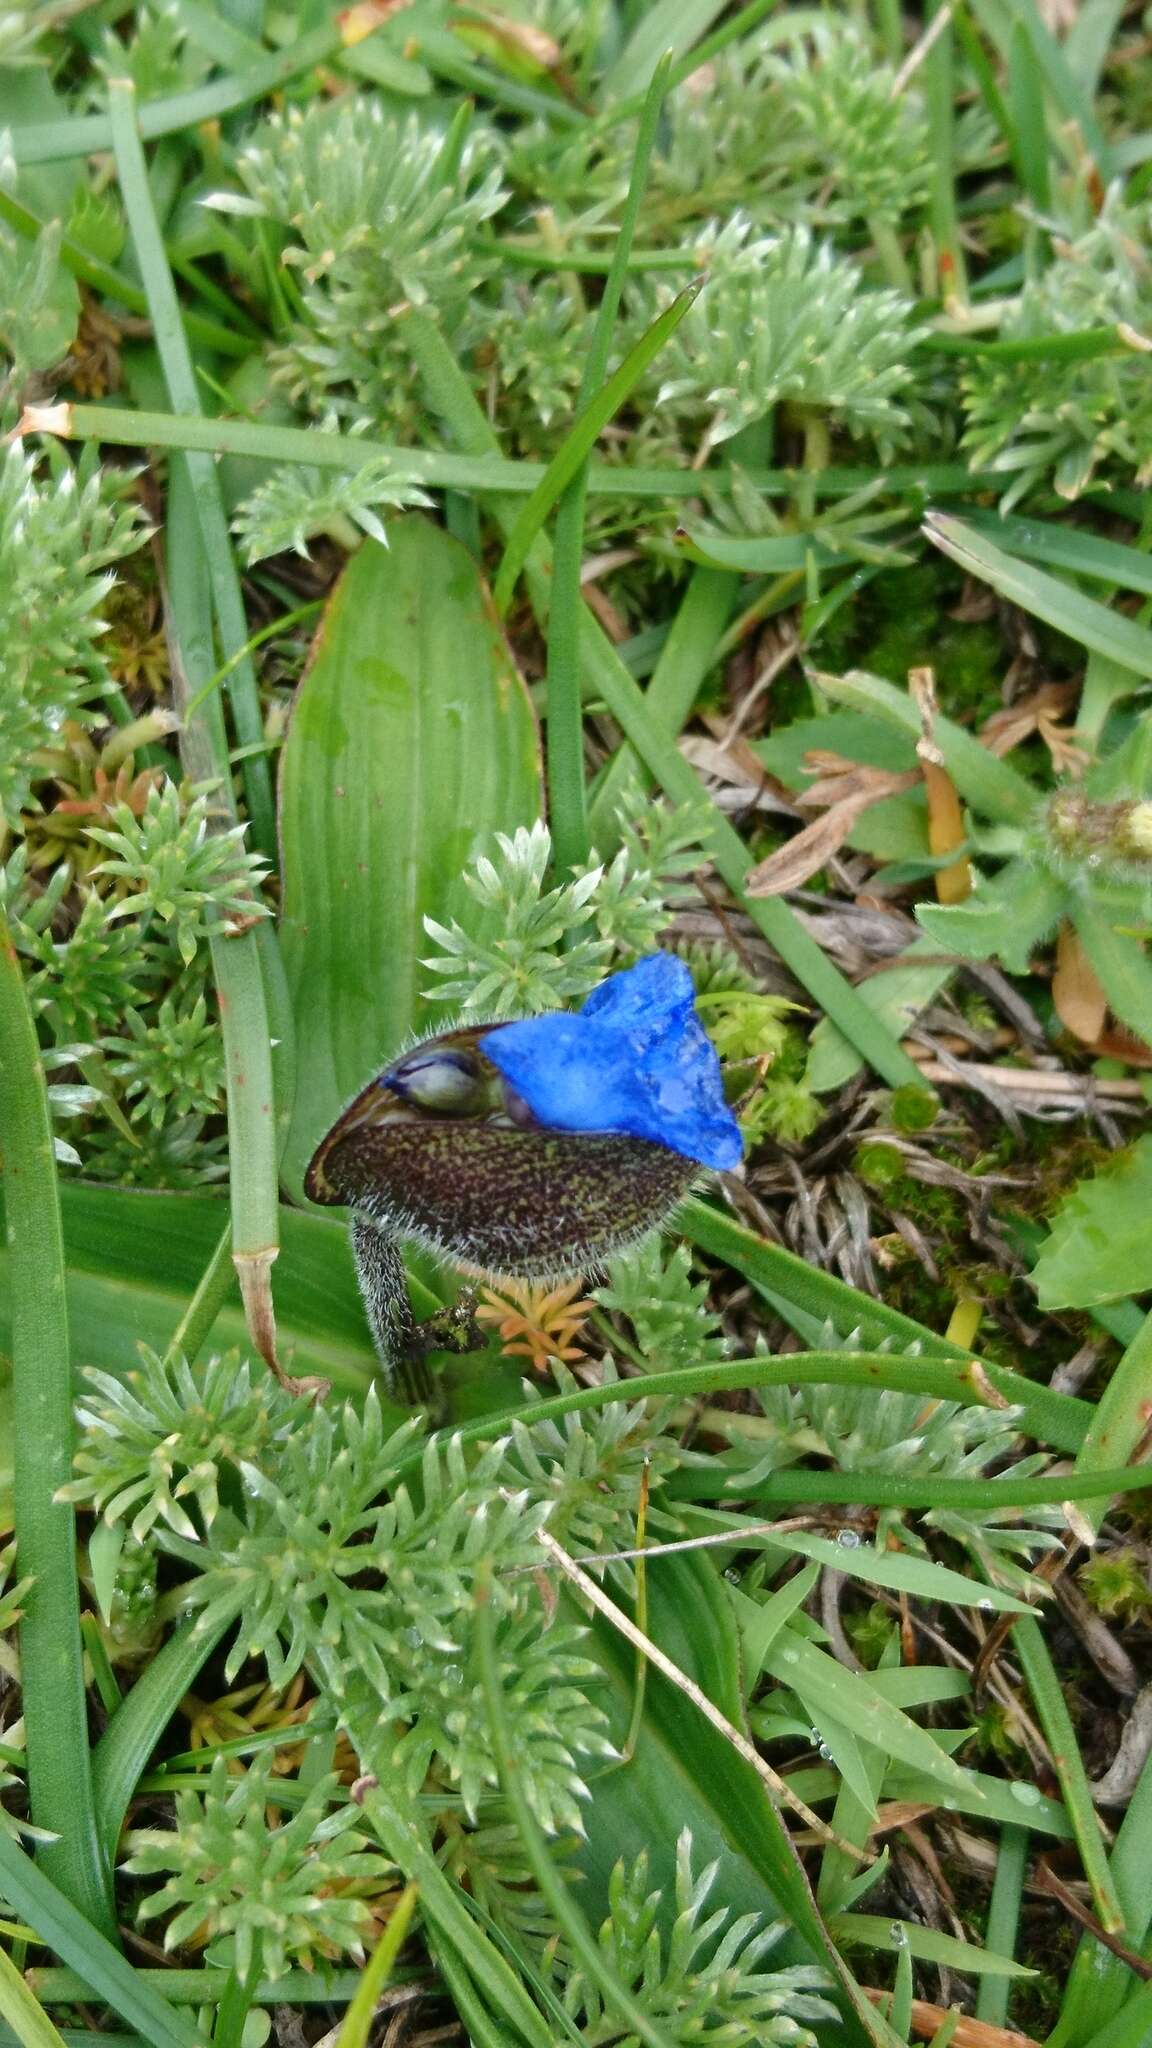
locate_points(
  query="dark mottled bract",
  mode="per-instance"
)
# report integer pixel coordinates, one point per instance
(491, 1188)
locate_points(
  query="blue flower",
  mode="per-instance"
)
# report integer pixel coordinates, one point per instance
(635, 1062)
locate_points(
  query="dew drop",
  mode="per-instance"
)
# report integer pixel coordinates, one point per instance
(1027, 1795)
(898, 1935)
(986, 1606)
(848, 1539)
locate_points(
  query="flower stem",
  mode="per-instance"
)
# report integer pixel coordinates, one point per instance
(55, 1714)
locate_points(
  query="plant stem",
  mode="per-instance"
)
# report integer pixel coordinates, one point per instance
(236, 963)
(198, 1318)
(180, 377)
(55, 1714)
(567, 806)
(483, 468)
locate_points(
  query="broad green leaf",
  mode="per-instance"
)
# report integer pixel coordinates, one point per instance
(134, 1260)
(858, 735)
(1089, 624)
(1016, 1803)
(412, 739)
(895, 828)
(1100, 1246)
(825, 1686)
(1006, 920)
(761, 1621)
(756, 554)
(990, 785)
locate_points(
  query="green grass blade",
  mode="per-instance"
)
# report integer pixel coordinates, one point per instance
(236, 966)
(25, 2015)
(1026, 98)
(1089, 624)
(180, 376)
(483, 469)
(1003, 1921)
(103, 1969)
(84, 135)
(362, 2011)
(933, 1377)
(685, 659)
(54, 1707)
(579, 441)
(122, 1753)
(880, 1490)
(939, 91)
(1052, 1712)
(1067, 547)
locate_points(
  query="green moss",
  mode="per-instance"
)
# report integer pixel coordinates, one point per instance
(902, 620)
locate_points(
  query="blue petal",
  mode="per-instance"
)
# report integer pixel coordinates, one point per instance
(635, 1061)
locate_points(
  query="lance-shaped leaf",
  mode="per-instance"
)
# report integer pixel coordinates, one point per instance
(412, 739)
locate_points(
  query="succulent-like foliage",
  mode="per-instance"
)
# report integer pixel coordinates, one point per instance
(87, 981)
(543, 950)
(336, 1561)
(783, 318)
(593, 1467)
(292, 1892)
(534, 346)
(858, 1429)
(533, 948)
(175, 870)
(706, 1981)
(172, 1064)
(160, 1440)
(293, 505)
(381, 214)
(668, 1310)
(58, 542)
(810, 129)
(1063, 421)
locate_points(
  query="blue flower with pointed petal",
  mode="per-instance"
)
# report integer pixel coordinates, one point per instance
(634, 1062)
